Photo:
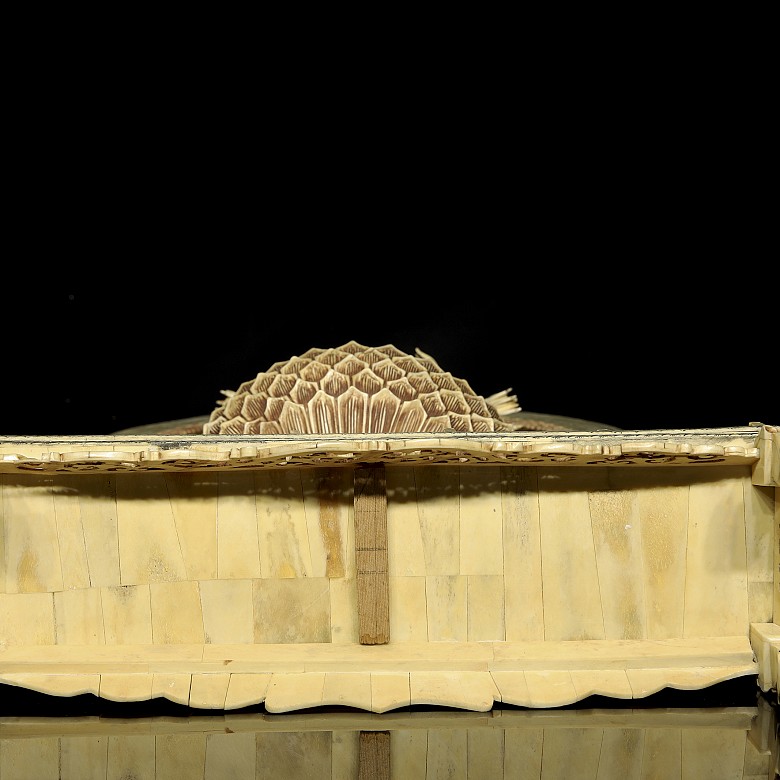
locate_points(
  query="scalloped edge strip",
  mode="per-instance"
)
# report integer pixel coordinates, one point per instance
(469, 676)
(378, 692)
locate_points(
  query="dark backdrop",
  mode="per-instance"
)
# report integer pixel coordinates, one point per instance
(129, 348)
(593, 235)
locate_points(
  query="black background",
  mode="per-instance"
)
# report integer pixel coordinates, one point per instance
(596, 238)
(137, 341)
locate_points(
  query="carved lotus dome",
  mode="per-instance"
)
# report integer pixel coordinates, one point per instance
(358, 389)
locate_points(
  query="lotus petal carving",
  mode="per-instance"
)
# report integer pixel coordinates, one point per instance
(357, 389)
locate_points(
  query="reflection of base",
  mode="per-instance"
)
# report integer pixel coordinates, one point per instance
(739, 742)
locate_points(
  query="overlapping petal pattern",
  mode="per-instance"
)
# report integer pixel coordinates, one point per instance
(355, 389)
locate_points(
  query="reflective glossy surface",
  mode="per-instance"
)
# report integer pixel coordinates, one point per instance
(87, 738)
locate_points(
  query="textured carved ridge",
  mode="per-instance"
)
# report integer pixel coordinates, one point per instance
(357, 389)
(528, 450)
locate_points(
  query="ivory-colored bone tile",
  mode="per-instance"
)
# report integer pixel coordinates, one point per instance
(343, 610)
(127, 614)
(99, 521)
(485, 608)
(623, 654)
(550, 689)
(281, 525)
(194, 499)
(759, 529)
(76, 658)
(439, 520)
(228, 615)
(63, 684)
(32, 549)
(209, 691)
(617, 539)
(572, 605)
(601, 682)
(760, 600)
(292, 610)
(78, 617)
(512, 688)
(238, 545)
(347, 689)
(70, 531)
(328, 504)
(172, 686)
(645, 682)
(27, 619)
(408, 609)
(716, 601)
(481, 523)
(447, 612)
(429, 656)
(176, 613)
(256, 658)
(149, 548)
(452, 689)
(389, 691)
(294, 691)
(663, 513)
(245, 690)
(406, 555)
(126, 687)
(521, 534)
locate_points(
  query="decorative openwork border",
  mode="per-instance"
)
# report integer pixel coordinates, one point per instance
(730, 446)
